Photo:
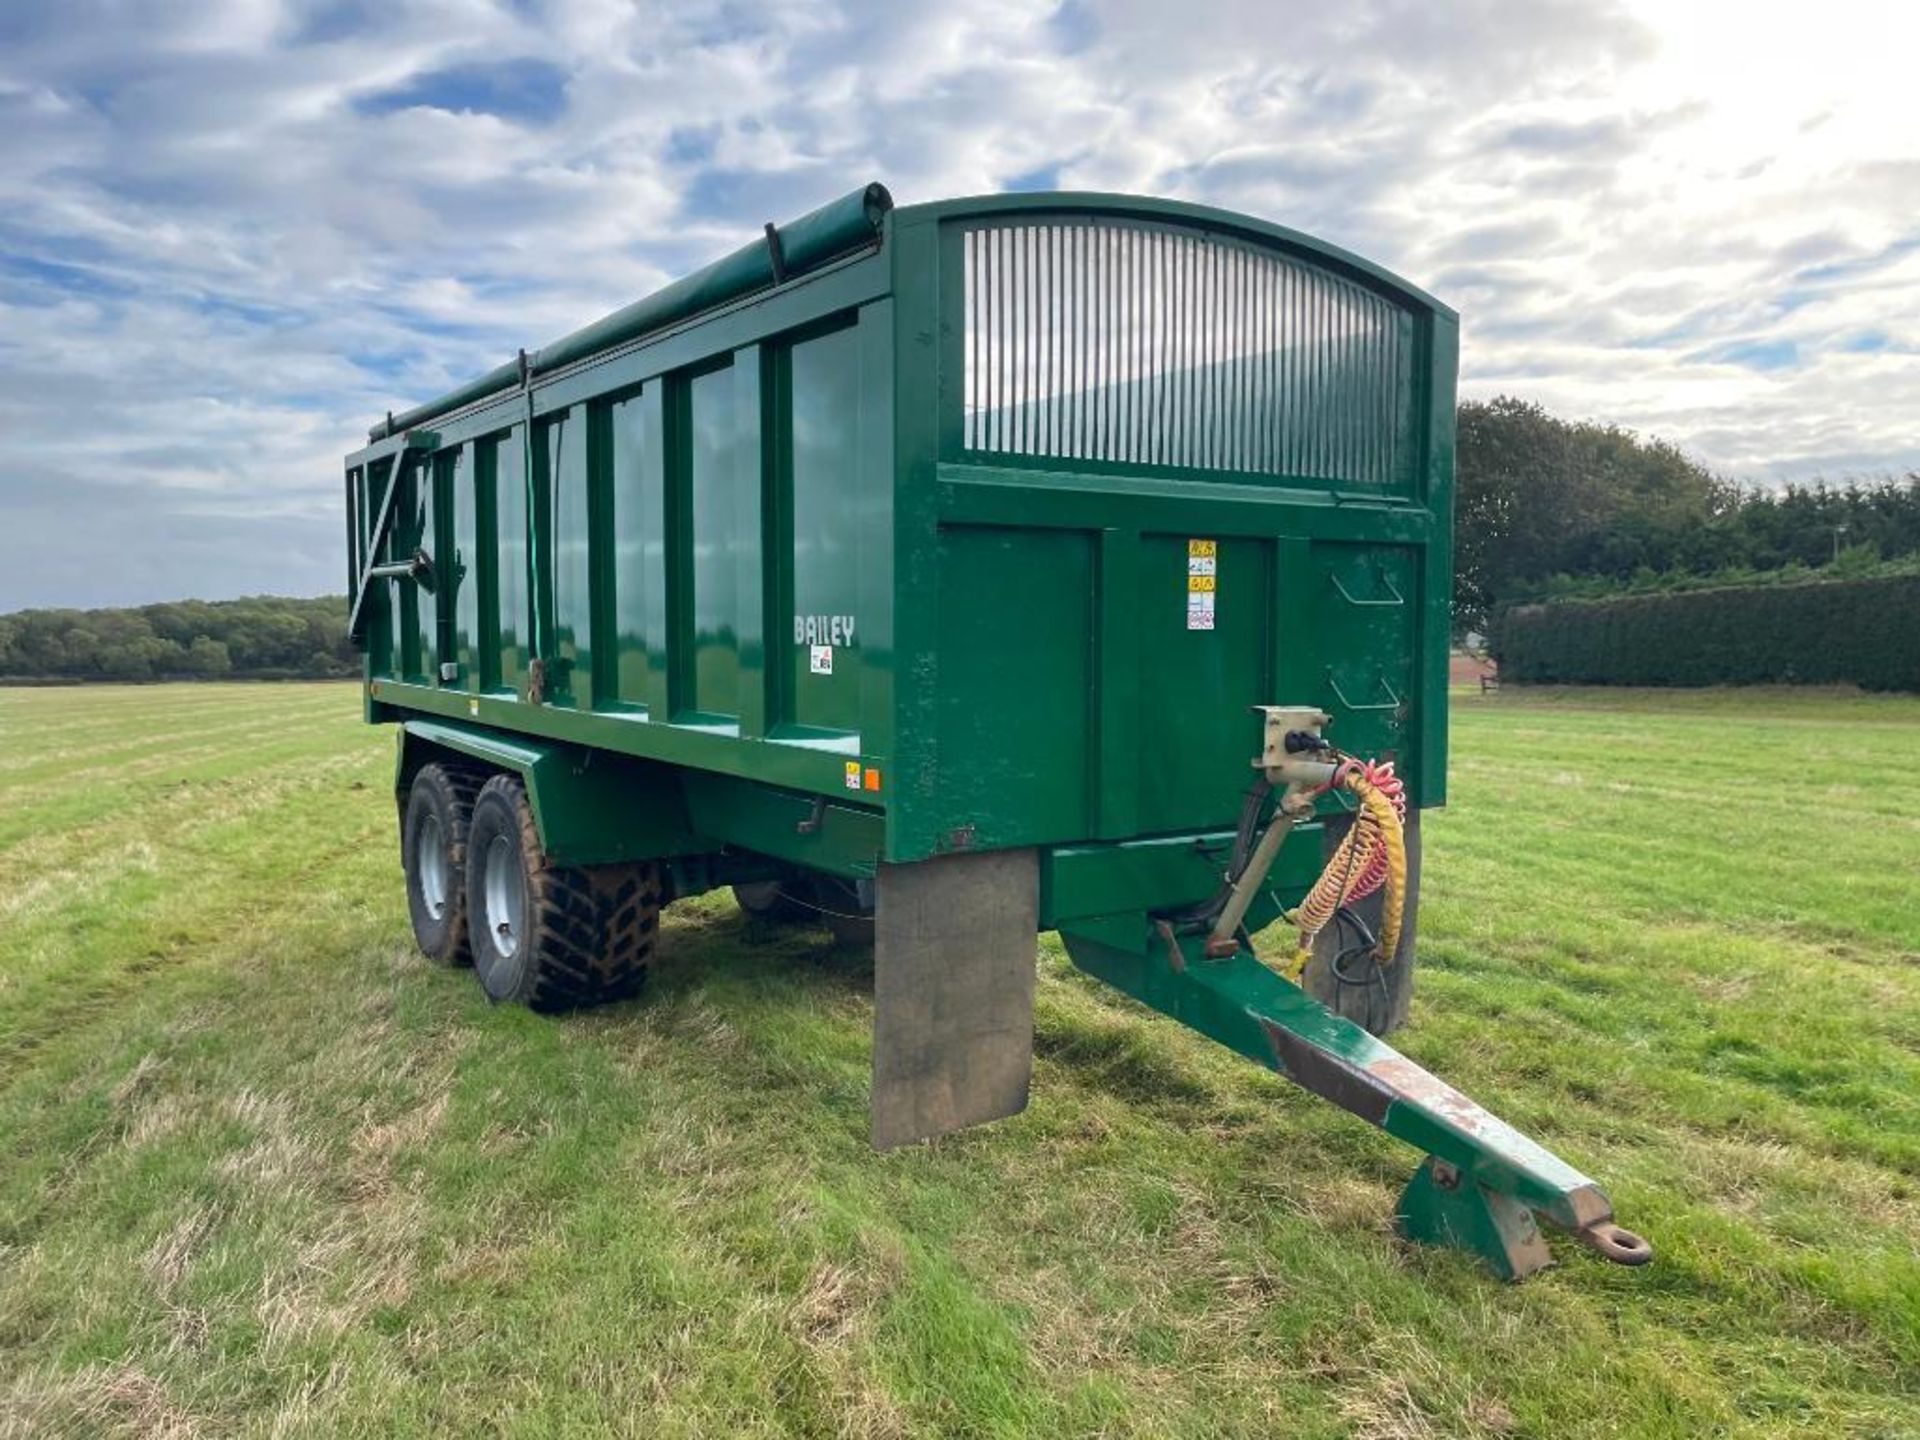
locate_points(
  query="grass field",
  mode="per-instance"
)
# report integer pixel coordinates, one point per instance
(265, 1171)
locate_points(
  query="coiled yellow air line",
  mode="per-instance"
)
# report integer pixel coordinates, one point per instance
(1377, 825)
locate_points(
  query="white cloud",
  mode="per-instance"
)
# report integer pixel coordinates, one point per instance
(222, 251)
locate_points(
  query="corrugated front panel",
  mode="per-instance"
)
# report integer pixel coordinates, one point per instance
(1139, 343)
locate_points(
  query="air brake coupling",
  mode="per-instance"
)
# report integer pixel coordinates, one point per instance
(1293, 754)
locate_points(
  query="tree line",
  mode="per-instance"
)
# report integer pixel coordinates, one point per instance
(1547, 506)
(1544, 507)
(259, 638)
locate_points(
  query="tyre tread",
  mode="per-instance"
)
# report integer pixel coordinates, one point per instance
(592, 928)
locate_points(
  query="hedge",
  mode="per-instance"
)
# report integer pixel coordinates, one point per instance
(1864, 632)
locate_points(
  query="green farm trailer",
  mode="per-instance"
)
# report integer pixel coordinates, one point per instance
(949, 574)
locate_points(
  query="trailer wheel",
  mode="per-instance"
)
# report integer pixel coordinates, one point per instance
(767, 902)
(548, 936)
(1374, 996)
(838, 906)
(433, 852)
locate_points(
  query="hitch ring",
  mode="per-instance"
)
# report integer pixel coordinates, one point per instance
(1623, 1247)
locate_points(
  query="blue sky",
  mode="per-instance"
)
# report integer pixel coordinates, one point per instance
(233, 232)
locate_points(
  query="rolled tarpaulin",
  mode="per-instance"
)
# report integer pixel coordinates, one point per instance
(821, 235)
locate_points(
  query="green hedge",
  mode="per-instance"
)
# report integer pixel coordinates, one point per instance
(1864, 632)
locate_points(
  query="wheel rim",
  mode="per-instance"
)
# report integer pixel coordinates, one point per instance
(436, 869)
(506, 897)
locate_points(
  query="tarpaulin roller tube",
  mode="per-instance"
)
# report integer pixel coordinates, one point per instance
(821, 235)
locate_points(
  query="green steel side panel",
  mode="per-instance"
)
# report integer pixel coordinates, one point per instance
(918, 810)
(563, 457)
(746, 536)
(823, 690)
(505, 476)
(800, 764)
(713, 480)
(1364, 634)
(1195, 734)
(1436, 580)
(639, 578)
(591, 807)
(875, 504)
(842, 838)
(460, 572)
(1012, 744)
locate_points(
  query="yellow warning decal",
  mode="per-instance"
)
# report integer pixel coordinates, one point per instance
(853, 774)
(1203, 580)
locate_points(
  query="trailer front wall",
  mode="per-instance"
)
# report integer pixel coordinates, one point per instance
(1170, 464)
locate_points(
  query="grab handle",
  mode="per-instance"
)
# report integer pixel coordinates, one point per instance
(1391, 703)
(1352, 599)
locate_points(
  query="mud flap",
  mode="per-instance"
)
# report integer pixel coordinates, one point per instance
(954, 950)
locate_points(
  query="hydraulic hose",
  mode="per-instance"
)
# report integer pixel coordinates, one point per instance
(1373, 852)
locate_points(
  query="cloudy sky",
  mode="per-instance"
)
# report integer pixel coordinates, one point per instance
(233, 232)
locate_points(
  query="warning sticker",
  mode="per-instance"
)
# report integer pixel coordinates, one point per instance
(821, 660)
(853, 774)
(1203, 580)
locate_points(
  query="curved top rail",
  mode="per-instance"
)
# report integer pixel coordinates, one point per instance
(1178, 212)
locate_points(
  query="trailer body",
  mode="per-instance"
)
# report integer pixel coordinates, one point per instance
(945, 551)
(914, 533)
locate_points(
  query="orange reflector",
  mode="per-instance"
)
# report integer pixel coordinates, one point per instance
(873, 779)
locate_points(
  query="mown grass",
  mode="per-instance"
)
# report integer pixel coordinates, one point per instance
(265, 1171)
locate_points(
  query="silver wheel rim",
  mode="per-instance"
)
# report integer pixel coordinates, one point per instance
(436, 870)
(506, 896)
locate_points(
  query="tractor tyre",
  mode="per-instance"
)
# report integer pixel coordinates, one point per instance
(1375, 996)
(433, 853)
(548, 936)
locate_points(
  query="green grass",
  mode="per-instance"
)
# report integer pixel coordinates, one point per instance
(265, 1171)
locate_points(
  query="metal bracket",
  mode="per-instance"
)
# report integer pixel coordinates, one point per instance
(1440, 1206)
(1393, 701)
(404, 454)
(1351, 599)
(776, 255)
(816, 817)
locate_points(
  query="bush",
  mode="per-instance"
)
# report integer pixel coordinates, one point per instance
(1860, 631)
